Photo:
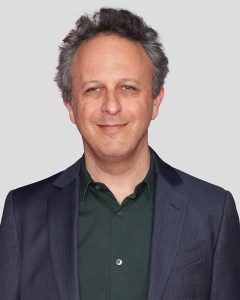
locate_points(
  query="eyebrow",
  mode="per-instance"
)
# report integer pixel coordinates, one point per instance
(131, 79)
(89, 82)
(121, 79)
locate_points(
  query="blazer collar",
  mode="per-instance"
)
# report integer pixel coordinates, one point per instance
(167, 172)
(68, 175)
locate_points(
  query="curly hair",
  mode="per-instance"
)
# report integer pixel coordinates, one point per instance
(110, 21)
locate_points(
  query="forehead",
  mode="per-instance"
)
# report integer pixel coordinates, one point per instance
(109, 50)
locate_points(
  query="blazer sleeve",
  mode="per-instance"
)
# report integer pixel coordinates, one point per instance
(9, 254)
(226, 263)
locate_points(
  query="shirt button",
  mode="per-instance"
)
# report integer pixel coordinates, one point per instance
(98, 188)
(119, 213)
(119, 262)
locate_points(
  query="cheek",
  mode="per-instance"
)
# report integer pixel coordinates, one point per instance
(142, 119)
(147, 111)
(140, 110)
(84, 114)
(81, 110)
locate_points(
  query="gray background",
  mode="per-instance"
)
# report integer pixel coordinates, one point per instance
(197, 129)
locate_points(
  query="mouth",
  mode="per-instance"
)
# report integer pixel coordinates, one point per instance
(111, 127)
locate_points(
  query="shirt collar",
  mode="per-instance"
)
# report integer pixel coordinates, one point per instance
(149, 179)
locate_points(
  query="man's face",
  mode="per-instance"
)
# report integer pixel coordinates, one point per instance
(112, 102)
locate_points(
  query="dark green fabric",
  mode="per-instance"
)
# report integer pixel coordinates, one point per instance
(108, 232)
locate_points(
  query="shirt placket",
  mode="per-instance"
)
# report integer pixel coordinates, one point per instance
(118, 259)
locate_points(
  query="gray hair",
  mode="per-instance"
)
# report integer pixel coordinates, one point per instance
(110, 21)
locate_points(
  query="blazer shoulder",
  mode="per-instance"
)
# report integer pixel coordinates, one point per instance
(48, 185)
(203, 193)
(34, 194)
(197, 190)
(199, 185)
(36, 187)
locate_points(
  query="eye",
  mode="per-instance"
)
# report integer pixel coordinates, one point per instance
(93, 89)
(128, 88)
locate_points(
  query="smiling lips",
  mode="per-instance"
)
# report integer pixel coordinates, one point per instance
(111, 127)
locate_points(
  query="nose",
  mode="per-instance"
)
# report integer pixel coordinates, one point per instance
(111, 103)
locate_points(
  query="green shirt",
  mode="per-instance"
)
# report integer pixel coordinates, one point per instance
(114, 240)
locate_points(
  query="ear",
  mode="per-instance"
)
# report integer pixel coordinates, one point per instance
(156, 103)
(70, 110)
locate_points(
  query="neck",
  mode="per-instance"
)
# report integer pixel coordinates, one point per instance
(121, 177)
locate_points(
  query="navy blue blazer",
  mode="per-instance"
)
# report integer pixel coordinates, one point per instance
(195, 247)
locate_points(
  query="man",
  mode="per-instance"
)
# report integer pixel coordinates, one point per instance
(120, 223)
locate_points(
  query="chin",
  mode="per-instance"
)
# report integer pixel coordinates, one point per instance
(112, 153)
(117, 150)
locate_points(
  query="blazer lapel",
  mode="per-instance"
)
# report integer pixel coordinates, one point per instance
(63, 228)
(169, 211)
